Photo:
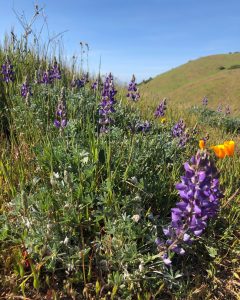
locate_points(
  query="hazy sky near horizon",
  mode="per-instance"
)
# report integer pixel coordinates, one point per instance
(135, 36)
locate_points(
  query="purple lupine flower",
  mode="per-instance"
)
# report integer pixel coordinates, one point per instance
(133, 93)
(205, 101)
(94, 85)
(49, 75)
(26, 89)
(106, 106)
(200, 193)
(61, 112)
(79, 83)
(179, 128)
(184, 138)
(143, 127)
(54, 72)
(160, 111)
(46, 78)
(227, 110)
(7, 71)
(180, 132)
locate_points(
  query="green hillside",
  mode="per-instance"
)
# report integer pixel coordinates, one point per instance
(216, 77)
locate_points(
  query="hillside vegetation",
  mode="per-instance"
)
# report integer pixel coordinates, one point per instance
(101, 200)
(216, 77)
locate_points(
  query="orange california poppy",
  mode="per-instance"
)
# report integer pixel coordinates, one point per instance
(219, 151)
(201, 144)
(227, 149)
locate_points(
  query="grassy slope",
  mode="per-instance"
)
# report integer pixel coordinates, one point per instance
(189, 83)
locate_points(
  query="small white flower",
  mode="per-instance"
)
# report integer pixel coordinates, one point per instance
(134, 180)
(141, 267)
(136, 218)
(28, 224)
(56, 175)
(65, 242)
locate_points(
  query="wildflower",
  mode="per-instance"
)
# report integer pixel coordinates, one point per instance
(66, 240)
(163, 120)
(26, 89)
(179, 131)
(133, 93)
(201, 144)
(160, 111)
(46, 78)
(205, 101)
(49, 75)
(61, 112)
(143, 127)
(199, 192)
(223, 150)
(54, 72)
(106, 107)
(136, 218)
(94, 85)
(79, 83)
(7, 71)
(229, 147)
(184, 138)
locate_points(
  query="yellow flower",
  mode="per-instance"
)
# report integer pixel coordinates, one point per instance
(201, 144)
(163, 120)
(226, 149)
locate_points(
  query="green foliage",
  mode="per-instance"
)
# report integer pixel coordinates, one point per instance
(213, 118)
(221, 68)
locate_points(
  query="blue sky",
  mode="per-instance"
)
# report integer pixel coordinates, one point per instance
(135, 36)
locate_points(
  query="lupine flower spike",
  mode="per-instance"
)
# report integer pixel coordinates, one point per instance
(55, 72)
(180, 132)
(26, 89)
(79, 83)
(161, 109)
(133, 93)
(50, 74)
(106, 107)
(7, 71)
(61, 112)
(143, 127)
(200, 193)
(94, 85)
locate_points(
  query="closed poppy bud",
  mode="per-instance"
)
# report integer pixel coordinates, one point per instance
(201, 144)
